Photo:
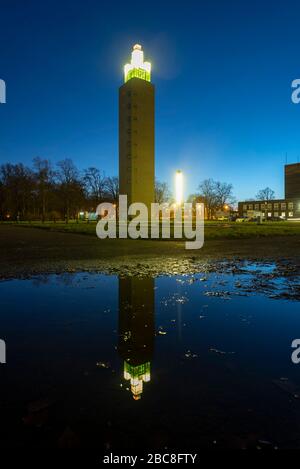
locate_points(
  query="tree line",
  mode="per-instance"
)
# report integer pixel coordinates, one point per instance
(47, 192)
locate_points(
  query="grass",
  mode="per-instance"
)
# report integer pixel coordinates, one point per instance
(213, 230)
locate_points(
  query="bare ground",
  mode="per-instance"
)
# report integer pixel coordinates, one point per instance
(31, 251)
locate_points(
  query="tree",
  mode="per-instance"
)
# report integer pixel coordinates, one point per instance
(162, 192)
(70, 188)
(112, 188)
(44, 176)
(223, 194)
(2, 200)
(17, 188)
(68, 173)
(207, 191)
(215, 195)
(265, 194)
(95, 184)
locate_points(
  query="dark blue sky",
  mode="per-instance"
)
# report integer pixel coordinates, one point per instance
(222, 70)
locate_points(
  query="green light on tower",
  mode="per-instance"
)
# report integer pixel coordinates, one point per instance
(137, 375)
(137, 67)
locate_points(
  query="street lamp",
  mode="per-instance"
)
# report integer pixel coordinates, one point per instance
(178, 187)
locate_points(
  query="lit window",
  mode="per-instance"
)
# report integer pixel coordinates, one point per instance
(291, 214)
(283, 206)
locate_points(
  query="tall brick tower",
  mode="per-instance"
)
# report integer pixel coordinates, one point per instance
(136, 130)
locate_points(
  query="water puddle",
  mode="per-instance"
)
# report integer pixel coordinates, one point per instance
(182, 361)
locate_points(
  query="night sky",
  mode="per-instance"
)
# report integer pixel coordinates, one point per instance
(222, 71)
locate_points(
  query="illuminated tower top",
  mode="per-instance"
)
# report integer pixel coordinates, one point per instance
(137, 67)
(137, 375)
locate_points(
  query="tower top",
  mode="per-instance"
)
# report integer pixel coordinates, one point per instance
(137, 67)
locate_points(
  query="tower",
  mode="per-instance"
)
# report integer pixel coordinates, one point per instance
(136, 131)
(136, 330)
(292, 180)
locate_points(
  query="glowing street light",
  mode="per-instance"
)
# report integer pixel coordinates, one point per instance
(178, 187)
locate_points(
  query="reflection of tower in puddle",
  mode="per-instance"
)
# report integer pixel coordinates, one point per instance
(136, 330)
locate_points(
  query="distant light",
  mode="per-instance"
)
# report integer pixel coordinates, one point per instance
(137, 67)
(179, 187)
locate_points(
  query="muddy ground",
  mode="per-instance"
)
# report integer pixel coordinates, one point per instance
(30, 251)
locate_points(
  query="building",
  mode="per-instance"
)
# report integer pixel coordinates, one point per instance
(136, 131)
(286, 209)
(292, 181)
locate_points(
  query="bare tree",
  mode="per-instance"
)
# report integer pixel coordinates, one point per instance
(265, 194)
(207, 191)
(223, 194)
(95, 184)
(215, 195)
(162, 192)
(68, 172)
(18, 185)
(112, 188)
(44, 176)
(70, 188)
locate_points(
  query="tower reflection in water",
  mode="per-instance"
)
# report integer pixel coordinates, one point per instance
(136, 330)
